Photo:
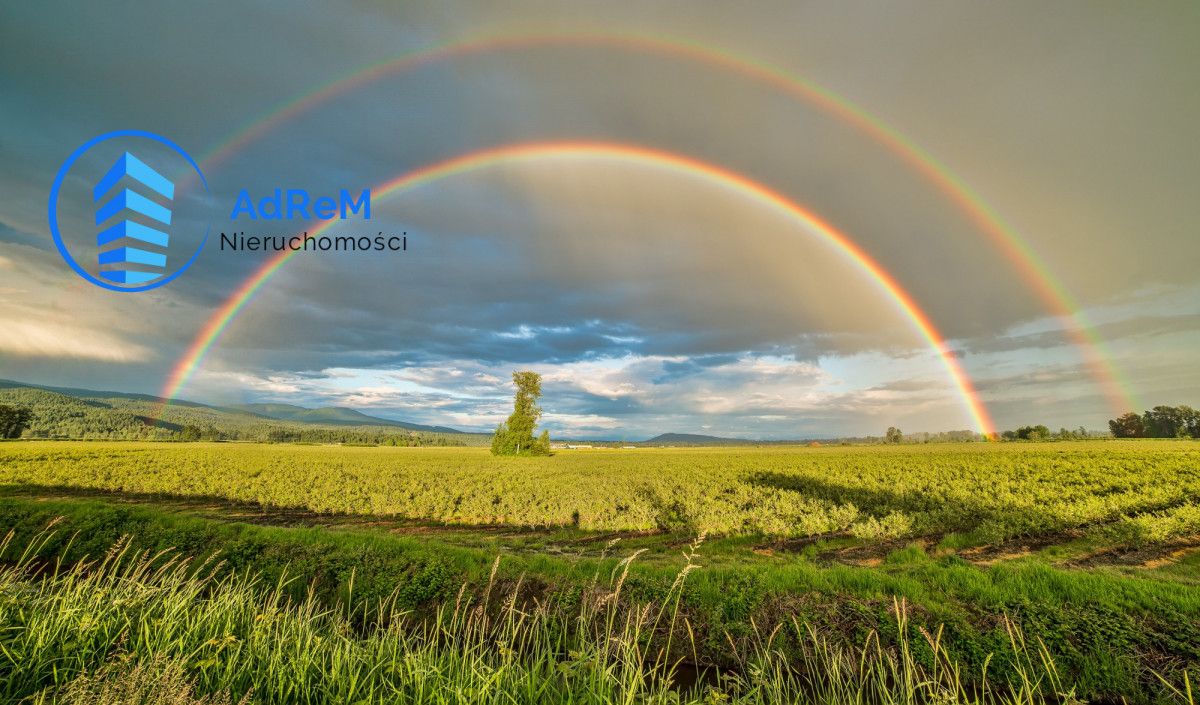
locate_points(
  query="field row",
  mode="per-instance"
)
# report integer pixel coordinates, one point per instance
(1143, 491)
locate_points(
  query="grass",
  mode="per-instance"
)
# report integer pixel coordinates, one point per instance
(1109, 633)
(136, 627)
(981, 545)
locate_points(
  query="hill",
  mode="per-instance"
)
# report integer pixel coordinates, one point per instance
(66, 412)
(333, 415)
(695, 439)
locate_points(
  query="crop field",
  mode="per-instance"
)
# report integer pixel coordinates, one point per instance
(1136, 491)
(1017, 572)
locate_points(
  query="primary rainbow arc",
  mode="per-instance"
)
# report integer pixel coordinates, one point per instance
(632, 154)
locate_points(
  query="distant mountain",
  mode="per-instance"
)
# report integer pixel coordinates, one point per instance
(94, 394)
(695, 439)
(270, 411)
(68, 412)
(337, 415)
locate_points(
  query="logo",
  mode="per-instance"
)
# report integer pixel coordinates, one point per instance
(133, 265)
(126, 216)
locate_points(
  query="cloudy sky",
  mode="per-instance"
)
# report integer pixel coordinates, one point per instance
(650, 298)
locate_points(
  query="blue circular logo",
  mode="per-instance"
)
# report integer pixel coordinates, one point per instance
(126, 201)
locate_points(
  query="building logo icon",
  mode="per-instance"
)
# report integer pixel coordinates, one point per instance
(123, 257)
(126, 216)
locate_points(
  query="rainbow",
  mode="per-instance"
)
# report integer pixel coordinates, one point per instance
(1048, 289)
(636, 155)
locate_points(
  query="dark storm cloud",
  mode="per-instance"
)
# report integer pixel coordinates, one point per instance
(673, 370)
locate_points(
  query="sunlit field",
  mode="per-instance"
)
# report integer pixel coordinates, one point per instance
(1135, 492)
(1019, 572)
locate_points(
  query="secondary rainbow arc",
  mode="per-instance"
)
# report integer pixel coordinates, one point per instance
(633, 154)
(1047, 287)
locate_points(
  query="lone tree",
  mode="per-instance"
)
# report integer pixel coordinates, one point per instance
(13, 420)
(515, 436)
(894, 435)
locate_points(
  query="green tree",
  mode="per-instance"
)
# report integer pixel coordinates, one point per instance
(1160, 422)
(14, 420)
(1190, 421)
(1163, 421)
(1039, 432)
(1128, 425)
(1033, 433)
(515, 436)
(894, 435)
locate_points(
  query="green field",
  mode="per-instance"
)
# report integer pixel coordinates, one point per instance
(807, 558)
(1136, 492)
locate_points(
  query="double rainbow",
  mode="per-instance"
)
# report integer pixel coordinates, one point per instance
(1053, 294)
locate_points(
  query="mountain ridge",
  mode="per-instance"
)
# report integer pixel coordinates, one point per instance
(696, 439)
(337, 415)
(138, 408)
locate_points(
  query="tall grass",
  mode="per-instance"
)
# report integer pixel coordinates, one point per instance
(133, 627)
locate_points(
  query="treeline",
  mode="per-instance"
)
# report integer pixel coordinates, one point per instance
(927, 437)
(1159, 422)
(295, 433)
(1041, 432)
(52, 415)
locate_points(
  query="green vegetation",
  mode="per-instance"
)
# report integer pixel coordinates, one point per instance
(1028, 433)
(130, 628)
(1041, 432)
(1003, 555)
(1159, 422)
(82, 414)
(13, 421)
(332, 416)
(993, 492)
(515, 436)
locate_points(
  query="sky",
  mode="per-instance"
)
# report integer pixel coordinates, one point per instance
(651, 299)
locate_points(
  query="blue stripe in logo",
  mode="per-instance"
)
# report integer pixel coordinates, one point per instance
(131, 265)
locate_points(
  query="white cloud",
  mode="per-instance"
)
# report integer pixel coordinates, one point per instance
(30, 337)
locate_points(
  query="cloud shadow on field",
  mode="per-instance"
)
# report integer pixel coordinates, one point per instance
(933, 513)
